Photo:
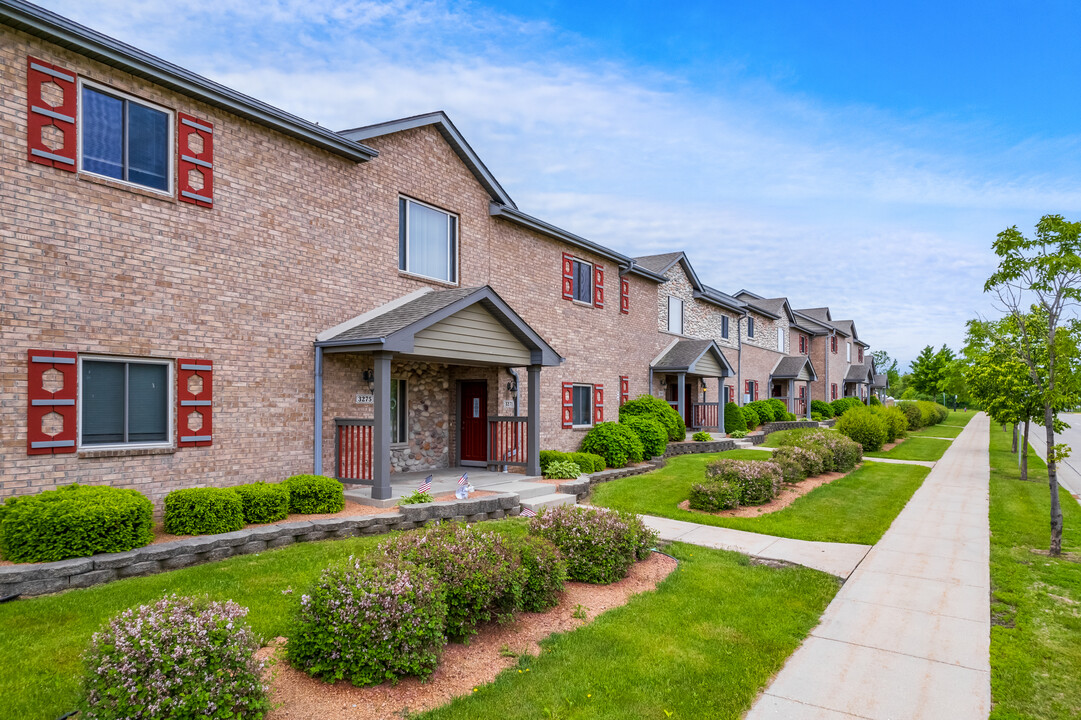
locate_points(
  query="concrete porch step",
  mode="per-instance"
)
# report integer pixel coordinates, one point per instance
(524, 490)
(743, 444)
(539, 502)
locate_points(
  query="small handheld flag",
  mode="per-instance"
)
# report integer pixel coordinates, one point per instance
(426, 486)
(463, 479)
(526, 512)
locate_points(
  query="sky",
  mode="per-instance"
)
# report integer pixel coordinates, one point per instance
(851, 154)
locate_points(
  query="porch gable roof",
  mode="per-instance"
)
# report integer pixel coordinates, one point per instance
(860, 374)
(790, 366)
(684, 355)
(396, 329)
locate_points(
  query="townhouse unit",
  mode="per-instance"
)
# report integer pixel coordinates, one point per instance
(201, 289)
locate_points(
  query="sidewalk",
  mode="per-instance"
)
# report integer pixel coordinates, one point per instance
(908, 635)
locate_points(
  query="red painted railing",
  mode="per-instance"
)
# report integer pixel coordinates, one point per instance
(507, 440)
(797, 407)
(353, 449)
(705, 415)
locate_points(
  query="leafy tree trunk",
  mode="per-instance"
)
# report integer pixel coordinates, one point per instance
(1024, 452)
(1052, 481)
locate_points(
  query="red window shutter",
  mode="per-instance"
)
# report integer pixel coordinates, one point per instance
(568, 405)
(42, 402)
(194, 426)
(802, 392)
(568, 277)
(41, 115)
(755, 389)
(598, 286)
(194, 132)
(624, 296)
(598, 403)
(624, 389)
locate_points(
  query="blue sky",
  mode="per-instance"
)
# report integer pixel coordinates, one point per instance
(852, 154)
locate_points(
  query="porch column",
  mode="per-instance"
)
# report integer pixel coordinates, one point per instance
(317, 461)
(807, 409)
(720, 404)
(381, 430)
(681, 399)
(791, 395)
(532, 459)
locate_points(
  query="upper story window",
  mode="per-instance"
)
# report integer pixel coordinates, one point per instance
(803, 344)
(724, 326)
(675, 315)
(125, 402)
(833, 344)
(848, 352)
(126, 139)
(583, 281)
(859, 352)
(780, 339)
(427, 241)
(583, 406)
(750, 327)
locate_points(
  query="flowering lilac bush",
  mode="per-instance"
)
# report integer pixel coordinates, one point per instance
(543, 573)
(479, 570)
(841, 454)
(809, 462)
(758, 481)
(178, 658)
(370, 622)
(712, 496)
(599, 545)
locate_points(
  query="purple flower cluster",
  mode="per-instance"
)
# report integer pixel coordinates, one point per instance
(599, 545)
(714, 496)
(839, 453)
(180, 657)
(758, 481)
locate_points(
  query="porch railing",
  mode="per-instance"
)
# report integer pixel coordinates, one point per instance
(798, 406)
(705, 415)
(508, 441)
(353, 442)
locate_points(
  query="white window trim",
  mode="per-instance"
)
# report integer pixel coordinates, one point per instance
(170, 151)
(682, 316)
(592, 399)
(780, 339)
(592, 282)
(456, 235)
(170, 403)
(848, 352)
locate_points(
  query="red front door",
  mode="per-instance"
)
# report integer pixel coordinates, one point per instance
(474, 415)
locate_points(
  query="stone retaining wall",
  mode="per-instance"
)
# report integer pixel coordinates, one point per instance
(773, 427)
(44, 578)
(693, 448)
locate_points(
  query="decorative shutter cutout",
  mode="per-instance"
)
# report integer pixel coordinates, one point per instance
(598, 286)
(568, 405)
(195, 157)
(598, 403)
(624, 296)
(624, 389)
(52, 388)
(195, 395)
(56, 147)
(568, 276)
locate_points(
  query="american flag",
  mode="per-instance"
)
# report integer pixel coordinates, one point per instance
(526, 512)
(426, 486)
(464, 479)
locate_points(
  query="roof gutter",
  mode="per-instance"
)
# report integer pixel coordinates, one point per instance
(520, 218)
(92, 44)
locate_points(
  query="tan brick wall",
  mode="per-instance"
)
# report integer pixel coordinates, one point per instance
(700, 319)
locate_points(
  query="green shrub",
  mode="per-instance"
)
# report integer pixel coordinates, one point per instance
(840, 454)
(544, 573)
(599, 545)
(791, 417)
(652, 434)
(912, 414)
(766, 412)
(895, 421)
(74, 521)
(863, 426)
(598, 462)
(817, 417)
(416, 498)
(549, 456)
(562, 470)
(614, 442)
(702, 436)
(791, 468)
(370, 622)
(712, 496)
(875, 401)
(315, 494)
(264, 502)
(203, 511)
(811, 462)
(750, 417)
(585, 461)
(842, 405)
(758, 481)
(656, 409)
(738, 434)
(733, 418)
(823, 408)
(780, 410)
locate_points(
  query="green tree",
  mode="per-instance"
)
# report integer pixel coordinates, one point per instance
(885, 364)
(1040, 279)
(929, 370)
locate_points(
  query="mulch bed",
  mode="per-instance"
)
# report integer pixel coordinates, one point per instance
(789, 494)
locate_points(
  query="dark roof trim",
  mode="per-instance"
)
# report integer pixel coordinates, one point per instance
(453, 137)
(712, 347)
(762, 311)
(729, 303)
(635, 269)
(520, 218)
(81, 39)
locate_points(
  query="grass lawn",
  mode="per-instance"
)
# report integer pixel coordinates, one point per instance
(943, 431)
(668, 650)
(699, 647)
(959, 417)
(857, 508)
(915, 448)
(1036, 599)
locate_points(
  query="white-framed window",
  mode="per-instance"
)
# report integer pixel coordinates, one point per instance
(582, 415)
(848, 352)
(583, 281)
(398, 410)
(125, 402)
(780, 339)
(675, 315)
(125, 138)
(427, 241)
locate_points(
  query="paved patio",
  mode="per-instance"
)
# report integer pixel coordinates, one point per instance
(443, 480)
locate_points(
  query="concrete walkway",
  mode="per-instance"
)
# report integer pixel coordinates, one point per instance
(908, 636)
(925, 463)
(838, 559)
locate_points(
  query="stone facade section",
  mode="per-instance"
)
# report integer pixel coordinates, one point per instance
(700, 319)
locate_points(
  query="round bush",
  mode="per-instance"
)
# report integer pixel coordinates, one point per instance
(792, 470)
(544, 573)
(714, 496)
(370, 622)
(895, 421)
(758, 481)
(810, 462)
(598, 461)
(875, 401)
(614, 442)
(264, 502)
(702, 436)
(864, 427)
(840, 453)
(823, 408)
(599, 545)
(74, 521)
(780, 410)
(550, 456)
(314, 494)
(588, 462)
(750, 417)
(562, 470)
(656, 409)
(733, 418)
(203, 511)
(653, 436)
(912, 414)
(178, 658)
(763, 410)
(842, 405)
(478, 569)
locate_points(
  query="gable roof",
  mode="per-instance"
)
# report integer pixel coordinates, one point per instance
(821, 314)
(790, 366)
(78, 38)
(660, 264)
(880, 381)
(682, 356)
(860, 373)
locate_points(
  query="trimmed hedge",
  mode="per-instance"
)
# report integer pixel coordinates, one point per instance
(750, 417)
(550, 456)
(203, 511)
(656, 409)
(586, 462)
(758, 481)
(314, 494)
(614, 442)
(712, 496)
(863, 426)
(652, 434)
(823, 408)
(264, 502)
(733, 418)
(842, 405)
(74, 521)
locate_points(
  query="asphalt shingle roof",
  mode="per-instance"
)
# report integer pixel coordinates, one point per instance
(858, 373)
(789, 366)
(405, 315)
(683, 354)
(657, 263)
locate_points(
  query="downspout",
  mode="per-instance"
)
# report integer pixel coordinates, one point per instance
(739, 358)
(317, 461)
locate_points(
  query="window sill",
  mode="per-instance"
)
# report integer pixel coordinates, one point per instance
(128, 187)
(582, 427)
(425, 278)
(583, 303)
(399, 446)
(126, 452)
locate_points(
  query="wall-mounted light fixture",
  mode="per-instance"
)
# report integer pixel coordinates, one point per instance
(512, 386)
(368, 376)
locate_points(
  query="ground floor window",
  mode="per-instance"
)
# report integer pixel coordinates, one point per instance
(125, 402)
(398, 401)
(582, 415)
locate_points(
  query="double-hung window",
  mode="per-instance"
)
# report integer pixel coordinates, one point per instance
(398, 407)
(583, 406)
(427, 241)
(126, 139)
(583, 282)
(675, 315)
(125, 402)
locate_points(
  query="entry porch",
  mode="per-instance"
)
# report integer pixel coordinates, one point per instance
(790, 382)
(688, 370)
